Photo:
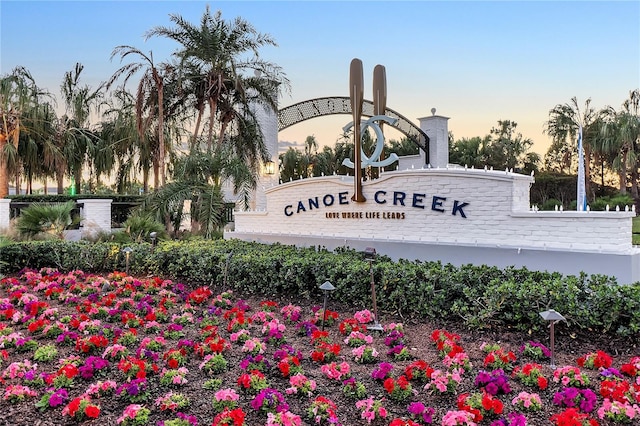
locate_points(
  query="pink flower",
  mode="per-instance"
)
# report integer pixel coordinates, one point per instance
(227, 394)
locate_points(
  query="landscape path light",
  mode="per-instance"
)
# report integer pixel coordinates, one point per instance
(370, 256)
(154, 236)
(127, 252)
(326, 288)
(553, 317)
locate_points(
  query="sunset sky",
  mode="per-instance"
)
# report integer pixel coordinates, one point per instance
(476, 62)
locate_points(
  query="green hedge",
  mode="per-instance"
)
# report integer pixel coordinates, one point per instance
(479, 295)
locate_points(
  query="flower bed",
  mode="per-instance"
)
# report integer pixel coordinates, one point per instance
(79, 348)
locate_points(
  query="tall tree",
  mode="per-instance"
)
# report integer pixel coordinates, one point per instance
(124, 148)
(469, 151)
(214, 57)
(79, 140)
(563, 125)
(39, 155)
(310, 153)
(620, 137)
(509, 149)
(18, 95)
(149, 100)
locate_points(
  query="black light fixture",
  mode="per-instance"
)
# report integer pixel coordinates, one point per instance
(370, 256)
(553, 317)
(127, 252)
(326, 288)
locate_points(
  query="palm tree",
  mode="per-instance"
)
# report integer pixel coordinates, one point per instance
(18, 95)
(38, 153)
(563, 125)
(198, 177)
(79, 140)
(149, 100)
(290, 165)
(123, 148)
(470, 151)
(620, 136)
(325, 163)
(213, 59)
(310, 153)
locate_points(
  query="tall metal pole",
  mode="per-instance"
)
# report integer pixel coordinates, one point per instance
(324, 309)
(553, 362)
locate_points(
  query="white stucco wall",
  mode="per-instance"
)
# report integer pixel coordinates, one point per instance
(497, 212)
(5, 207)
(95, 216)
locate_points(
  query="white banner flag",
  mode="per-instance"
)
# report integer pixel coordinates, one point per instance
(582, 196)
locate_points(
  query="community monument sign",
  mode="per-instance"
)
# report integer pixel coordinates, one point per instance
(431, 210)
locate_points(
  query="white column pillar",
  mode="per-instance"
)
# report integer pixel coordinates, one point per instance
(95, 216)
(185, 222)
(437, 128)
(5, 213)
(268, 121)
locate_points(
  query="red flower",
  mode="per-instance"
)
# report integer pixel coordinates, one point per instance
(92, 411)
(245, 381)
(542, 383)
(317, 356)
(284, 368)
(403, 422)
(389, 385)
(403, 382)
(73, 406)
(69, 370)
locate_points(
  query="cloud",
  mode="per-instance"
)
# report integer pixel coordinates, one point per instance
(285, 145)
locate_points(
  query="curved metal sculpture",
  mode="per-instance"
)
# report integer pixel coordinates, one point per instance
(320, 107)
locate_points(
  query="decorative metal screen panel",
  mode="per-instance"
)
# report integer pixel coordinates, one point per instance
(341, 105)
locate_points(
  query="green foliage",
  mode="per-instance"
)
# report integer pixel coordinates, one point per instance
(551, 204)
(480, 296)
(40, 218)
(139, 225)
(620, 200)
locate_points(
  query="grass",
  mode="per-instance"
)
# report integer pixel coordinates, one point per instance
(635, 229)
